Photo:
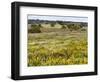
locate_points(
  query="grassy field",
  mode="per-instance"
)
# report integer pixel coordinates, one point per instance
(57, 48)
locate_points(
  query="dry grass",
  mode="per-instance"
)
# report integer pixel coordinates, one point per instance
(57, 48)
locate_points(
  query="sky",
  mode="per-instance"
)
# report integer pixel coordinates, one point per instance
(60, 18)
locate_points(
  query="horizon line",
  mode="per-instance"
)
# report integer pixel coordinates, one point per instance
(57, 17)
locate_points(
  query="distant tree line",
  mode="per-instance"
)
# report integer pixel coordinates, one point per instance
(37, 21)
(36, 28)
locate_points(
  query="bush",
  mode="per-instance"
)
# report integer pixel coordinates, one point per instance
(77, 26)
(83, 29)
(63, 27)
(40, 25)
(72, 27)
(33, 25)
(34, 29)
(60, 22)
(52, 24)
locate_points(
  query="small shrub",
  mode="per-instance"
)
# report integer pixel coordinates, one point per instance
(34, 29)
(72, 27)
(60, 22)
(52, 24)
(40, 25)
(63, 27)
(83, 29)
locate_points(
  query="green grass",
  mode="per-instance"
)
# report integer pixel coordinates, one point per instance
(57, 48)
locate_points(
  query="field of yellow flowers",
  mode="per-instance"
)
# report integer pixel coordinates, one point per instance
(55, 48)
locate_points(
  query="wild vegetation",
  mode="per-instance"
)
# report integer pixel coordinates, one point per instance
(57, 44)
